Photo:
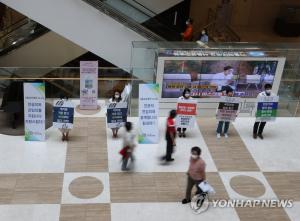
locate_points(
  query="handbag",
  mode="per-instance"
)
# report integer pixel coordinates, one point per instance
(123, 151)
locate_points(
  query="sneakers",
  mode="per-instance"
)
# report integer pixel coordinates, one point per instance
(185, 201)
(226, 135)
(218, 135)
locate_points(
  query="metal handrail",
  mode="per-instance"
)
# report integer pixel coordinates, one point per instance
(124, 19)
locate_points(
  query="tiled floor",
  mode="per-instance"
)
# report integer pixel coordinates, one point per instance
(37, 179)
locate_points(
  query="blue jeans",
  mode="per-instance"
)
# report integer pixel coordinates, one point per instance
(220, 127)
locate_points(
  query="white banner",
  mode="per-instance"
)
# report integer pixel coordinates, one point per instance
(88, 85)
(148, 113)
(63, 114)
(34, 111)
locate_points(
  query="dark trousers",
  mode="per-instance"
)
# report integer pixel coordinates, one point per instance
(190, 184)
(169, 148)
(259, 126)
(125, 160)
(179, 129)
(220, 127)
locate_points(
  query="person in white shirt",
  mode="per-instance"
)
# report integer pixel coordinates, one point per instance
(259, 126)
(223, 79)
(116, 98)
(186, 95)
(128, 145)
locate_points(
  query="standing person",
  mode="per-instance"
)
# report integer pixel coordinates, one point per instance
(196, 174)
(186, 95)
(203, 36)
(187, 35)
(223, 79)
(128, 146)
(259, 126)
(116, 98)
(229, 93)
(170, 136)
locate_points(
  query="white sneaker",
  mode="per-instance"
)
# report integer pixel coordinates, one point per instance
(218, 135)
(226, 135)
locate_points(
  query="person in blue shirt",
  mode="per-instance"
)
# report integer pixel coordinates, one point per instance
(203, 36)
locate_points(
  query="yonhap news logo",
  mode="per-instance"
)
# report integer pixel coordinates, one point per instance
(200, 203)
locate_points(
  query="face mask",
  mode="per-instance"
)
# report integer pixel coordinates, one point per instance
(268, 91)
(187, 23)
(187, 95)
(117, 96)
(194, 157)
(203, 32)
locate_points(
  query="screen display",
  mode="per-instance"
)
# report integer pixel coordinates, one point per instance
(211, 78)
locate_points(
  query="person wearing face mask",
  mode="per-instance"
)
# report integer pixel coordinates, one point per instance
(229, 93)
(170, 136)
(116, 98)
(196, 174)
(186, 95)
(259, 126)
(203, 36)
(223, 79)
(187, 35)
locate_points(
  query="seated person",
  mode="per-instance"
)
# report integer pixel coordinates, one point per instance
(223, 79)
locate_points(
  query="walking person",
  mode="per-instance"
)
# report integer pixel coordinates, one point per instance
(196, 174)
(259, 126)
(170, 136)
(186, 96)
(229, 93)
(128, 146)
(116, 98)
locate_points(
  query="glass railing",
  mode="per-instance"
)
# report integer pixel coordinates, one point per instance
(138, 18)
(20, 33)
(66, 82)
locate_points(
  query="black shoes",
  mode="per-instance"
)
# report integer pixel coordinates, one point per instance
(260, 136)
(169, 160)
(185, 201)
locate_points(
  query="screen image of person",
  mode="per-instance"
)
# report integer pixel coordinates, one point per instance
(223, 79)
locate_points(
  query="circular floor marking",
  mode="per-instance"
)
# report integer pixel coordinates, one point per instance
(247, 186)
(86, 187)
(87, 112)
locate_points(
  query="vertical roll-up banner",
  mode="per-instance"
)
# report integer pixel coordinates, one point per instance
(148, 113)
(34, 111)
(228, 108)
(267, 108)
(88, 85)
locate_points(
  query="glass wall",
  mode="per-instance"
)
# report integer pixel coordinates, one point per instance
(144, 58)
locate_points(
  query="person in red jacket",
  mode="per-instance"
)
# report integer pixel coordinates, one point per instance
(187, 35)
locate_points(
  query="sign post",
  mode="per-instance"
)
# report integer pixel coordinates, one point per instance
(34, 111)
(267, 108)
(148, 113)
(116, 114)
(228, 108)
(186, 112)
(63, 114)
(88, 85)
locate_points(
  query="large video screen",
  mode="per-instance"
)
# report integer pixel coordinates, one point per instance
(210, 78)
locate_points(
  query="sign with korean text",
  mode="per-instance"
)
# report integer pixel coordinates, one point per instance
(186, 112)
(88, 85)
(228, 108)
(117, 114)
(34, 111)
(148, 113)
(63, 114)
(267, 108)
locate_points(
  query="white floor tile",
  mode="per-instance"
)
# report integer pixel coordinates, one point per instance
(167, 211)
(18, 156)
(43, 212)
(279, 151)
(227, 176)
(294, 212)
(148, 155)
(68, 198)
